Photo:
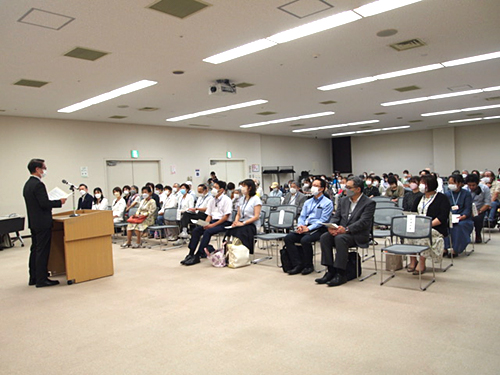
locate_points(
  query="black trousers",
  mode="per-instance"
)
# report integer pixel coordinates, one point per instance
(342, 243)
(205, 235)
(479, 223)
(302, 257)
(39, 254)
(188, 216)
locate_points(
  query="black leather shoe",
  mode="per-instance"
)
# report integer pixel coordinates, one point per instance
(47, 283)
(337, 280)
(189, 256)
(32, 282)
(307, 270)
(326, 278)
(192, 261)
(479, 239)
(295, 270)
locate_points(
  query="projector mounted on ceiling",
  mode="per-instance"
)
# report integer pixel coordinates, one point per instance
(222, 87)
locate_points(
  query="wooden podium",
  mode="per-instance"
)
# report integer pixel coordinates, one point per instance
(81, 246)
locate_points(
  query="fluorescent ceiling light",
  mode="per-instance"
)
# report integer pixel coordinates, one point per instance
(406, 72)
(491, 117)
(397, 127)
(440, 113)
(440, 96)
(335, 126)
(217, 110)
(461, 110)
(108, 96)
(315, 27)
(353, 82)
(321, 114)
(465, 120)
(480, 108)
(382, 6)
(473, 59)
(243, 50)
(368, 131)
(345, 133)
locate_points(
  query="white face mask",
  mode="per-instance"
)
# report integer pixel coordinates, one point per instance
(306, 185)
(117, 194)
(413, 186)
(125, 192)
(244, 190)
(375, 183)
(368, 183)
(421, 187)
(145, 195)
(44, 173)
(452, 187)
(236, 195)
(342, 186)
(157, 192)
(464, 176)
(82, 192)
(98, 196)
(293, 190)
(174, 190)
(485, 180)
(315, 190)
(214, 192)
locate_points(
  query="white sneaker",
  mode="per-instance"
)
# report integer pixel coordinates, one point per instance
(184, 233)
(136, 246)
(172, 238)
(179, 242)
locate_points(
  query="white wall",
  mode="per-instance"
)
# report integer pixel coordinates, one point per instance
(68, 145)
(441, 150)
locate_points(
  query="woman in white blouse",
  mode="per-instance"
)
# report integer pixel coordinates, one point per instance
(100, 203)
(186, 200)
(118, 205)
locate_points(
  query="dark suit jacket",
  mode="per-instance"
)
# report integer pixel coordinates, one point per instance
(361, 220)
(86, 203)
(439, 208)
(299, 200)
(38, 205)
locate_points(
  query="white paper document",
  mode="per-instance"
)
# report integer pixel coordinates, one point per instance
(330, 225)
(201, 223)
(57, 193)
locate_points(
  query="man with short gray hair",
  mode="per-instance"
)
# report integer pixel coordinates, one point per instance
(295, 197)
(354, 219)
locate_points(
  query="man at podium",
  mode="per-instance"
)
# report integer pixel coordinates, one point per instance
(39, 209)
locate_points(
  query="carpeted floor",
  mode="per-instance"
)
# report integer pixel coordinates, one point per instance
(155, 316)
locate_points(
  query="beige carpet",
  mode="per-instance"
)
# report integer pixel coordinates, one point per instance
(155, 316)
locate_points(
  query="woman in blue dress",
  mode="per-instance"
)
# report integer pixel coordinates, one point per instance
(461, 210)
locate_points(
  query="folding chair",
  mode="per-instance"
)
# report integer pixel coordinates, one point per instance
(124, 224)
(364, 246)
(401, 228)
(380, 198)
(280, 222)
(383, 216)
(289, 207)
(170, 214)
(273, 201)
(382, 204)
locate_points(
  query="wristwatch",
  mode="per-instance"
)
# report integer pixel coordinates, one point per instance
(347, 230)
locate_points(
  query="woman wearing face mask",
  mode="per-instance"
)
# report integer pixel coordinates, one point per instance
(118, 205)
(185, 202)
(461, 210)
(147, 207)
(169, 202)
(275, 190)
(99, 203)
(414, 195)
(133, 198)
(236, 196)
(247, 219)
(370, 190)
(437, 207)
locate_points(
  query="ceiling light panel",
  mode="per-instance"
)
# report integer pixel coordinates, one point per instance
(108, 96)
(243, 50)
(382, 6)
(278, 121)
(472, 59)
(406, 72)
(336, 126)
(217, 110)
(461, 110)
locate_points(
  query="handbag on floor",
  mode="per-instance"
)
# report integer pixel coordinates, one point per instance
(217, 257)
(238, 254)
(351, 266)
(286, 265)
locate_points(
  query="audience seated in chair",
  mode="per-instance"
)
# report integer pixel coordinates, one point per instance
(275, 190)
(315, 211)
(118, 206)
(218, 214)
(147, 207)
(354, 217)
(395, 189)
(461, 208)
(133, 199)
(295, 197)
(481, 197)
(185, 202)
(370, 190)
(99, 203)
(413, 195)
(489, 177)
(85, 201)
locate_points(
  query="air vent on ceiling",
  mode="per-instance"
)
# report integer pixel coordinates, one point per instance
(3, 110)
(199, 125)
(380, 113)
(305, 8)
(328, 102)
(242, 85)
(407, 88)
(414, 121)
(122, 106)
(45, 19)
(117, 117)
(148, 109)
(460, 88)
(493, 98)
(407, 44)
(85, 54)
(267, 113)
(179, 8)
(30, 83)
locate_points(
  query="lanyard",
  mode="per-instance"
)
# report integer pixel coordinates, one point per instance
(455, 201)
(425, 204)
(242, 212)
(203, 200)
(314, 207)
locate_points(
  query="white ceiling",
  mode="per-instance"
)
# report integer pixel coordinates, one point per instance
(146, 44)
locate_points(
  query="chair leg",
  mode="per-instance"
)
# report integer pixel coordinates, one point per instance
(430, 282)
(382, 280)
(357, 266)
(268, 257)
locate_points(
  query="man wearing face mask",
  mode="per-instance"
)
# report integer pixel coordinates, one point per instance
(39, 209)
(85, 201)
(196, 212)
(316, 210)
(295, 197)
(275, 190)
(354, 218)
(218, 215)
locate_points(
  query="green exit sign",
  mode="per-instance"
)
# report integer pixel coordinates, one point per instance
(229, 155)
(134, 154)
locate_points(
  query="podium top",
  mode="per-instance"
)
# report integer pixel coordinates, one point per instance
(90, 223)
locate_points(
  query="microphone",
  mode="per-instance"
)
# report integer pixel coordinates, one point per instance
(68, 183)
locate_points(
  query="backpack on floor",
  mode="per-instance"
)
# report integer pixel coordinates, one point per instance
(286, 265)
(351, 266)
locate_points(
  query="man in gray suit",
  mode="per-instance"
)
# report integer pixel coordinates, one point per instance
(295, 197)
(354, 217)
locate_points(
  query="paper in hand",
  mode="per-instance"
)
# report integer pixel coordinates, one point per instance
(330, 225)
(57, 193)
(201, 223)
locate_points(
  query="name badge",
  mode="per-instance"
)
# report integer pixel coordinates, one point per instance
(454, 208)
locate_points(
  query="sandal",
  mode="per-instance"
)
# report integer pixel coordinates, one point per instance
(422, 272)
(412, 269)
(125, 245)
